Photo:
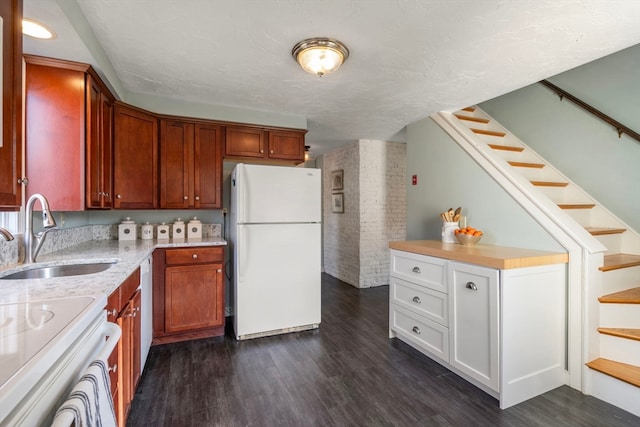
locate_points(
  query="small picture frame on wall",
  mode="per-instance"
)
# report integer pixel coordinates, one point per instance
(337, 203)
(337, 180)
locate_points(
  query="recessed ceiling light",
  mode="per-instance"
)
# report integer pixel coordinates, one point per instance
(36, 29)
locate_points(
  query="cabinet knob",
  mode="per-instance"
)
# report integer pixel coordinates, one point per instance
(118, 196)
(219, 270)
(472, 286)
(194, 256)
(106, 194)
(416, 270)
(416, 299)
(113, 368)
(271, 152)
(416, 330)
(185, 197)
(113, 313)
(197, 197)
(261, 151)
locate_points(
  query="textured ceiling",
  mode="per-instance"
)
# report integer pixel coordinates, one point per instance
(409, 58)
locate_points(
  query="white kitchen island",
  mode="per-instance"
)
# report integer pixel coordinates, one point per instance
(493, 315)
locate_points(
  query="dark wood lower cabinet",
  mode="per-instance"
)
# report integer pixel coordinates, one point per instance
(123, 308)
(188, 293)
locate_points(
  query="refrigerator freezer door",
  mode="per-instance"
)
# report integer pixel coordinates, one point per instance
(276, 194)
(277, 277)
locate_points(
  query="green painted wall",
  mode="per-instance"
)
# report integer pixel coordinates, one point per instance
(586, 149)
(448, 178)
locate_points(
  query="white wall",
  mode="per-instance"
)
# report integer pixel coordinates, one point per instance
(448, 178)
(383, 211)
(356, 242)
(341, 231)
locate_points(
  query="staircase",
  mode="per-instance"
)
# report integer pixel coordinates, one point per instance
(604, 266)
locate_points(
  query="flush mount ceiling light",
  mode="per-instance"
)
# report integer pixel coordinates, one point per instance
(320, 55)
(36, 29)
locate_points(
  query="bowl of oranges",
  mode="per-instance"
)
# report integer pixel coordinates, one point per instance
(468, 236)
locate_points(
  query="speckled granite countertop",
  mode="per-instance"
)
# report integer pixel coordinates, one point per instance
(128, 254)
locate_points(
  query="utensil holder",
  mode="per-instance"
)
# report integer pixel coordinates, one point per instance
(448, 235)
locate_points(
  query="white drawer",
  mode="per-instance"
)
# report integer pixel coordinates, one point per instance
(421, 332)
(428, 303)
(419, 269)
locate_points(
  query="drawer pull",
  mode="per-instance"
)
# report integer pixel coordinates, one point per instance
(113, 368)
(416, 299)
(194, 256)
(472, 286)
(416, 270)
(416, 330)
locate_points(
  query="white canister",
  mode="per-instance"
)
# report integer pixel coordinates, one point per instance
(127, 230)
(162, 231)
(194, 229)
(146, 231)
(448, 235)
(178, 229)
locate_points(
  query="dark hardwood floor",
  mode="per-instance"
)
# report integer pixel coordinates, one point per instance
(346, 373)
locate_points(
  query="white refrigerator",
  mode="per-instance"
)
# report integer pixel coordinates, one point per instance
(275, 232)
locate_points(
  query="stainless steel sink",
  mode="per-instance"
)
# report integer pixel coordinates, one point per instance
(38, 272)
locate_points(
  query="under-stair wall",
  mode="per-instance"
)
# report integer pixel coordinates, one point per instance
(604, 256)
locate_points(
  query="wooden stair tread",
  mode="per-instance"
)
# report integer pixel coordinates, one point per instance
(632, 334)
(549, 184)
(576, 205)
(488, 132)
(527, 165)
(472, 119)
(469, 109)
(506, 147)
(628, 296)
(616, 261)
(622, 371)
(600, 231)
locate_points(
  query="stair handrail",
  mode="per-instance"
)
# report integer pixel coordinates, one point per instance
(620, 128)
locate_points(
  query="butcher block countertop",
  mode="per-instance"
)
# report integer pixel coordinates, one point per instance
(499, 257)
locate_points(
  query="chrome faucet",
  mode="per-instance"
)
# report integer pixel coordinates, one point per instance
(6, 234)
(48, 223)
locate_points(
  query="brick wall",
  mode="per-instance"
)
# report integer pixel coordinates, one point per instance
(356, 241)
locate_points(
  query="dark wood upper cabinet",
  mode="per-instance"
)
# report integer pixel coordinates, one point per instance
(135, 158)
(268, 145)
(99, 146)
(68, 120)
(11, 129)
(190, 165)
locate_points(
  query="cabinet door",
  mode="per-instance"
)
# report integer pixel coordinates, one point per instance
(474, 322)
(135, 168)
(193, 297)
(176, 160)
(99, 146)
(11, 129)
(244, 142)
(208, 167)
(106, 135)
(55, 133)
(136, 330)
(286, 145)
